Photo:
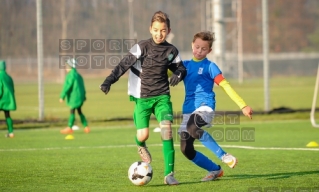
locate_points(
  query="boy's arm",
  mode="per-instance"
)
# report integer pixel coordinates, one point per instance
(222, 82)
(66, 87)
(179, 71)
(126, 63)
(232, 94)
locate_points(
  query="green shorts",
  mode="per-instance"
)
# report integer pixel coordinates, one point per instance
(160, 106)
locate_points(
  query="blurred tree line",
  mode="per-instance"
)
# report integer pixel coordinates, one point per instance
(293, 24)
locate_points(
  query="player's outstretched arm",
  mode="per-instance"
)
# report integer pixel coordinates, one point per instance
(247, 111)
(232, 94)
(117, 72)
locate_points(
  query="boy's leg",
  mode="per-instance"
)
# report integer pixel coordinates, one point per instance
(168, 152)
(68, 129)
(164, 114)
(193, 127)
(139, 143)
(209, 142)
(83, 120)
(187, 148)
(141, 116)
(82, 117)
(9, 123)
(199, 159)
(71, 118)
(199, 119)
(168, 146)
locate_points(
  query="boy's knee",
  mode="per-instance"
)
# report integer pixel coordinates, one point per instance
(194, 125)
(166, 130)
(142, 134)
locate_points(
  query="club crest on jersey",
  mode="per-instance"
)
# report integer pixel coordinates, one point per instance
(170, 57)
(200, 70)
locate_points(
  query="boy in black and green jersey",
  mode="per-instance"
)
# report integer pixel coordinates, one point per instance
(148, 62)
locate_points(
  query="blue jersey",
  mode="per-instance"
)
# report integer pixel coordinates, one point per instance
(199, 84)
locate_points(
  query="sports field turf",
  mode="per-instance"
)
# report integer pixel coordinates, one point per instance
(274, 157)
(42, 160)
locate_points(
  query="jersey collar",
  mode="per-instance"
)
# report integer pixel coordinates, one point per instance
(196, 60)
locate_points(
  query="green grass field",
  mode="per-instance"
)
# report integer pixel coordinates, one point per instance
(40, 159)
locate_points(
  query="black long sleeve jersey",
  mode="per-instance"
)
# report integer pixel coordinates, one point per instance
(148, 63)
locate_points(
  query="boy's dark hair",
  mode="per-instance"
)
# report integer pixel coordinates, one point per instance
(205, 36)
(161, 17)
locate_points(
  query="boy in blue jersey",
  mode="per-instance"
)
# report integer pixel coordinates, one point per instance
(199, 106)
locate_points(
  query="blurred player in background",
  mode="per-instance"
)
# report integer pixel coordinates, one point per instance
(199, 107)
(148, 62)
(74, 92)
(7, 97)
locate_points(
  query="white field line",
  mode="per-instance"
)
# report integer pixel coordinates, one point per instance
(123, 146)
(271, 148)
(153, 126)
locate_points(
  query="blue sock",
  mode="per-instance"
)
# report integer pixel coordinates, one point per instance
(208, 141)
(205, 163)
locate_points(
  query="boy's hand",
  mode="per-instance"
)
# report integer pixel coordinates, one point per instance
(248, 111)
(105, 87)
(176, 78)
(61, 100)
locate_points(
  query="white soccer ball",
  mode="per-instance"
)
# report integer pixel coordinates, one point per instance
(157, 130)
(140, 173)
(75, 127)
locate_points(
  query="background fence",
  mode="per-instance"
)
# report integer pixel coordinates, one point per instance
(293, 32)
(293, 36)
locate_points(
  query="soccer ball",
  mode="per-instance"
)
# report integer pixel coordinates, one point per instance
(75, 127)
(140, 173)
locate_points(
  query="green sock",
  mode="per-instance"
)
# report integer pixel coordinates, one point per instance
(71, 120)
(169, 156)
(83, 120)
(139, 143)
(9, 124)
